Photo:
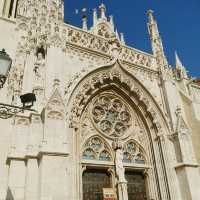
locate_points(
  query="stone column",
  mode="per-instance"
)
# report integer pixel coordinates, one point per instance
(122, 191)
(120, 172)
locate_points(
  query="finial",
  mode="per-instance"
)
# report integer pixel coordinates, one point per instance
(150, 15)
(180, 66)
(111, 21)
(122, 38)
(84, 23)
(178, 61)
(95, 16)
(102, 9)
(117, 34)
(156, 41)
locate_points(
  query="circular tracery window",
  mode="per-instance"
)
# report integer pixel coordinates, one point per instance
(111, 115)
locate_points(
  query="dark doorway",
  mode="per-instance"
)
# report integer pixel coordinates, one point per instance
(136, 185)
(94, 180)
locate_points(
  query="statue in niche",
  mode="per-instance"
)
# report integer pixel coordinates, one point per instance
(119, 165)
(39, 70)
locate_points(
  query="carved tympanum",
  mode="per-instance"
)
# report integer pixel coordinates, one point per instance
(110, 115)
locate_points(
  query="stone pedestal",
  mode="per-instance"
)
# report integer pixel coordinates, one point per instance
(122, 191)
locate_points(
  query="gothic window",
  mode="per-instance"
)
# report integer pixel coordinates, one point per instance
(96, 149)
(133, 153)
(111, 115)
(104, 155)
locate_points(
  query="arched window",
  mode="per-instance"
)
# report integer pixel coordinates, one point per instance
(133, 153)
(96, 149)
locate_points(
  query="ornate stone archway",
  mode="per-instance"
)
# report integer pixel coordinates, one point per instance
(118, 86)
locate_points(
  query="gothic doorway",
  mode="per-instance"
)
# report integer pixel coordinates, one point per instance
(135, 185)
(94, 180)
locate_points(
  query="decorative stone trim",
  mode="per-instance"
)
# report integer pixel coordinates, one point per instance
(182, 165)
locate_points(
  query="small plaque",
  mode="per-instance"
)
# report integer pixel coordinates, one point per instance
(109, 194)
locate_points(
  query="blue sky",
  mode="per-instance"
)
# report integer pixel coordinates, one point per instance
(178, 21)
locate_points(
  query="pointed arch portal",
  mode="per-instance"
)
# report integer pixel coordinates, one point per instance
(110, 104)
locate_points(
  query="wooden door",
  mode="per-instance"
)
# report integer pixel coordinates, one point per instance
(94, 180)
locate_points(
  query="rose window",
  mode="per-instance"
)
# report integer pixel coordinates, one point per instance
(111, 116)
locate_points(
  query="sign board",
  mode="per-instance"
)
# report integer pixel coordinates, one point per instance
(109, 194)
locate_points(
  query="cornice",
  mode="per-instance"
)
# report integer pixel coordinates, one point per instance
(65, 25)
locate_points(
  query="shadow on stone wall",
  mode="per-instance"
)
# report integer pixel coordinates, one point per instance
(9, 195)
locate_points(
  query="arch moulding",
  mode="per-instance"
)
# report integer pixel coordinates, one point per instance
(114, 76)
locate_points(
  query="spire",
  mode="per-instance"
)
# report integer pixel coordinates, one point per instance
(150, 16)
(95, 16)
(112, 22)
(84, 23)
(178, 61)
(102, 9)
(180, 67)
(117, 34)
(156, 41)
(122, 38)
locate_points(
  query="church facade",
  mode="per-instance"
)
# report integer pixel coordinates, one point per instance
(108, 117)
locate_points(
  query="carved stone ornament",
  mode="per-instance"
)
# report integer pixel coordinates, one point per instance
(115, 47)
(110, 115)
(96, 149)
(108, 120)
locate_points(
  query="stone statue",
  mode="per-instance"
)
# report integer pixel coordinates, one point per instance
(115, 47)
(39, 70)
(119, 165)
(120, 172)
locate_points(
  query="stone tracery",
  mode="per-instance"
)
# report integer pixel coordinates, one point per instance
(111, 116)
(133, 153)
(96, 149)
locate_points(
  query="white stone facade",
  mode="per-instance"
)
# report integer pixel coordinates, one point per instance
(100, 104)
